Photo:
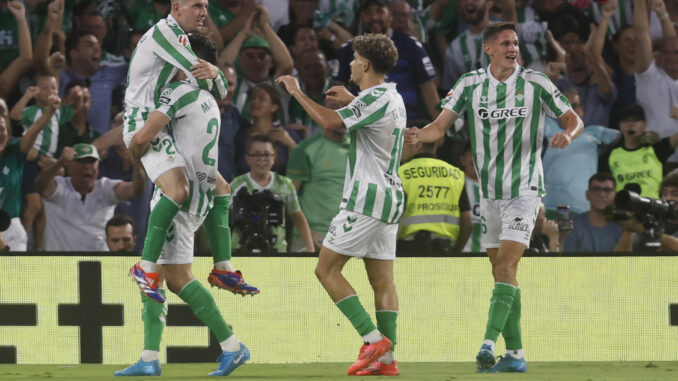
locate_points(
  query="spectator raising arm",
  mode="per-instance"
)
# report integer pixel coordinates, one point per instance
(45, 184)
(668, 29)
(10, 76)
(127, 190)
(644, 55)
(34, 130)
(43, 44)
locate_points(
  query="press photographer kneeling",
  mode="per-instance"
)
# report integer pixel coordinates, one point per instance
(645, 220)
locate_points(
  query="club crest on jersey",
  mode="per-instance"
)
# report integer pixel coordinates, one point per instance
(483, 99)
(183, 40)
(520, 97)
(502, 113)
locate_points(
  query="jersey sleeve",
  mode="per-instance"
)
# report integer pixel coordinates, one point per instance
(175, 97)
(172, 46)
(455, 100)
(553, 101)
(65, 114)
(364, 109)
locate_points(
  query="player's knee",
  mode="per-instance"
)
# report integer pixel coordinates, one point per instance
(322, 273)
(504, 272)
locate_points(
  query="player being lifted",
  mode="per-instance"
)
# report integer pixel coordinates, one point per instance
(162, 52)
(372, 203)
(505, 106)
(194, 117)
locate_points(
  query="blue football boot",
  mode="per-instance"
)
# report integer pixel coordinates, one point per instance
(485, 358)
(141, 368)
(509, 364)
(228, 361)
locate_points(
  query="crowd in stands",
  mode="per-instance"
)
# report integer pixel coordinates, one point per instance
(68, 182)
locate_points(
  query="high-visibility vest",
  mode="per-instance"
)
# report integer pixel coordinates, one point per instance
(432, 188)
(640, 166)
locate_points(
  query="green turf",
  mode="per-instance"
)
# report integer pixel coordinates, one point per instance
(545, 371)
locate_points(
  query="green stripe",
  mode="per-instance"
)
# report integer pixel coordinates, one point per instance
(479, 53)
(177, 31)
(466, 57)
(186, 206)
(352, 152)
(501, 141)
(354, 196)
(371, 118)
(163, 78)
(345, 113)
(388, 201)
(185, 63)
(133, 119)
(399, 208)
(183, 101)
(540, 187)
(47, 137)
(517, 138)
(477, 228)
(370, 98)
(486, 144)
(201, 199)
(534, 129)
(547, 97)
(369, 199)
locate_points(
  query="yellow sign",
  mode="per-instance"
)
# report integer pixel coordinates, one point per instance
(574, 309)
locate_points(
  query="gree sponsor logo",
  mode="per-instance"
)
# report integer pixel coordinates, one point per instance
(502, 113)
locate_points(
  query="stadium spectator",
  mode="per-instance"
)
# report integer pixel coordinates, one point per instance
(77, 207)
(254, 55)
(414, 73)
(16, 52)
(265, 107)
(94, 23)
(624, 68)
(554, 11)
(314, 80)
(437, 216)
(260, 156)
(231, 123)
(465, 53)
(78, 129)
(83, 53)
(668, 191)
(591, 230)
(640, 156)
(237, 13)
(656, 75)
(535, 38)
(587, 73)
(545, 236)
(120, 233)
(143, 14)
(474, 244)
(12, 158)
(403, 20)
(317, 168)
(566, 172)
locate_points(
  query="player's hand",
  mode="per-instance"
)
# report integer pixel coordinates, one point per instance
(340, 95)
(31, 91)
(67, 155)
(17, 9)
(204, 70)
(289, 84)
(609, 9)
(411, 135)
(560, 140)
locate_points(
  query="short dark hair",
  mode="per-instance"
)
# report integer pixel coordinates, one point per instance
(601, 177)
(670, 180)
(497, 27)
(77, 82)
(203, 47)
(119, 220)
(378, 49)
(259, 139)
(631, 113)
(73, 41)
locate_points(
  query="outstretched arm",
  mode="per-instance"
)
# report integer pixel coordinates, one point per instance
(432, 131)
(10, 76)
(644, 56)
(322, 115)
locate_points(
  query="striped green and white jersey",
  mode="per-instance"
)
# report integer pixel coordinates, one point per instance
(474, 244)
(506, 122)
(48, 139)
(621, 18)
(463, 54)
(532, 33)
(162, 51)
(195, 122)
(375, 121)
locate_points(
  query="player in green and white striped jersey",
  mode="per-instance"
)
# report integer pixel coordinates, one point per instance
(372, 204)
(505, 106)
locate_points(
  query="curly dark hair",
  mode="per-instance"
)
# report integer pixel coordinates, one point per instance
(378, 49)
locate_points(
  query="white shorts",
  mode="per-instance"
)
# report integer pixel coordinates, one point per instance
(356, 235)
(508, 220)
(178, 247)
(15, 235)
(162, 155)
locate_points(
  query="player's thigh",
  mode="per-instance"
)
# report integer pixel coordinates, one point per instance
(180, 241)
(223, 187)
(329, 261)
(161, 156)
(361, 236)
(174, 182)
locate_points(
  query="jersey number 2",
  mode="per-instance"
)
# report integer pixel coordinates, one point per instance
(212, 128)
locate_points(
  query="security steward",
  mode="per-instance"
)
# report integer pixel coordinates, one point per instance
(437, 214)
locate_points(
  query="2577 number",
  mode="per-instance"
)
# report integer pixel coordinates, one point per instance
(431, 191)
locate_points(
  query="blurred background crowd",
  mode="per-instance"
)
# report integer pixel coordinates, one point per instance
(63, 72)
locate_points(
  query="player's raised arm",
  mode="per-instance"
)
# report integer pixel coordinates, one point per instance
(432, 131)
(322, 115)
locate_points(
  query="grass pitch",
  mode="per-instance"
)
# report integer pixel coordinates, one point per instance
(456, 371)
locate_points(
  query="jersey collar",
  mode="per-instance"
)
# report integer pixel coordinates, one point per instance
(510, 80)
(172, 20)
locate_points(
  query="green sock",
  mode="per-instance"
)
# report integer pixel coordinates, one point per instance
(159, 221)
(217, 229)
(354, 311)
(511, 330)
(203, 306)
(500, 307)
(153, 314)
(386, 324)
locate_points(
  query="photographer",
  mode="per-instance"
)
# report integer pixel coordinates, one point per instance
(592, 231)
(260, 156)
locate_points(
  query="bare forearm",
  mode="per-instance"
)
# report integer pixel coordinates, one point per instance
(625, 244)
(230, 54)
(45, 183)
(281, 56)
(668, 30)
(17, 111)
(25, 45)
(299, 220)
(431, 98)
(322, 115)
(604, 80)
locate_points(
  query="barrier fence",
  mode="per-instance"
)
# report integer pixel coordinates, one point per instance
(70, 309)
